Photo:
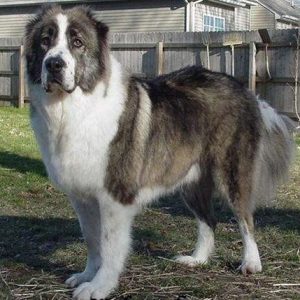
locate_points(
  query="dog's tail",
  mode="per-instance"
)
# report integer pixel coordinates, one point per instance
(275, 153)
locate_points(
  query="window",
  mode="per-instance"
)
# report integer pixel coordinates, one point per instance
(213, 23)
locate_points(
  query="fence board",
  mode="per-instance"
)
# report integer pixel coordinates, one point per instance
(138, 53)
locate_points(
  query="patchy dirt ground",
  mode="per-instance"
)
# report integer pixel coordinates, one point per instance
(41, 244)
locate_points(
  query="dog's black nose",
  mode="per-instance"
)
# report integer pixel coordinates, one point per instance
(54, 64)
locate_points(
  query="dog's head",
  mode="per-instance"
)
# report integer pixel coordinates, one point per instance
(65, 49)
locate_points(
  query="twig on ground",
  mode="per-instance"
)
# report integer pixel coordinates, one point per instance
(286, 284)
(5, 283)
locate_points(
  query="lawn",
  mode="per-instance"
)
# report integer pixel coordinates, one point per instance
(41, 244)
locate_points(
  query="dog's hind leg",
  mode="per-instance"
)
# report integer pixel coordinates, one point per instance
(88, 214)
(243, 209)
(251, 260)
(238, 188)
(198, 198)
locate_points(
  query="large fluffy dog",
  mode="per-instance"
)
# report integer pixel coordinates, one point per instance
(113, 143)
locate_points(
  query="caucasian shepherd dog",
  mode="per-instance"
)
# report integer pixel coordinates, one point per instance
(114, 143)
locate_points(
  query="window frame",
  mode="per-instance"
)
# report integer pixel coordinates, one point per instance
(214, 25)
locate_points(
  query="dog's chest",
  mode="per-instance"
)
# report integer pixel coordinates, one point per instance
(74, 138)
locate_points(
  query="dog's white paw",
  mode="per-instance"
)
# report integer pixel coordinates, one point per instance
(79, 278)
(190, 261)
(88, 291)
(251, 267)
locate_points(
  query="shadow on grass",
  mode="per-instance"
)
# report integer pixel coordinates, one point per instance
(21, 164)
(283, 219)
(31, 241)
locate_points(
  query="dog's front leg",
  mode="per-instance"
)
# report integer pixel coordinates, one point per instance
(88, 213)
(116, 220)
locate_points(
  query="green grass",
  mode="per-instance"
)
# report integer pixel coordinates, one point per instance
(41, 244)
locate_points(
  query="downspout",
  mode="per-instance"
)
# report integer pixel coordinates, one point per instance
(190, 14)
(193, 14)
(187, 15)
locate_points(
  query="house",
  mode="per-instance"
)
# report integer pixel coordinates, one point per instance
(164, 15)
(221, 15)
(275, 14)
(141, 15)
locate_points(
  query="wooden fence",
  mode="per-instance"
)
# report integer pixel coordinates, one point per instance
(265, 61)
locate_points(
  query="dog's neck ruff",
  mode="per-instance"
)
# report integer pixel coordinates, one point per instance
(74, 131)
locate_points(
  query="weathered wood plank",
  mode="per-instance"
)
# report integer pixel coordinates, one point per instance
(21, 78)
(8, 73)
(159, 58)
(252, 67)
(9, 48)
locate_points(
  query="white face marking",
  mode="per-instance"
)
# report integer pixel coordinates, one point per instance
(61, 50)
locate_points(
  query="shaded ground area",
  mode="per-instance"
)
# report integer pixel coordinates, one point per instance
(41, 244)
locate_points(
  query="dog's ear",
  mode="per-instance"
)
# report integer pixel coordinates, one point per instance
(31, 39)
(31, 30)
(102, 30)
(43, 11)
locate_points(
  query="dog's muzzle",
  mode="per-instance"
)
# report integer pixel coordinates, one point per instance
(56, 73)
(54, 65)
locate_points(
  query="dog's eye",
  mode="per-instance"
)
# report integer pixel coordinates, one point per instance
(77, 43)
(46, 41)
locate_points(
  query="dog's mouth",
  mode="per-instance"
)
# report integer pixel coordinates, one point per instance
(56, 84)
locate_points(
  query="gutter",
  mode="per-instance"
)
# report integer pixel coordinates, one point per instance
(230, 3)
(290, 18)
(252, 3)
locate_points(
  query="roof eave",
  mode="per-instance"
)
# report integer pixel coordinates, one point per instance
(289, 18)
(251, 3)
(229, 3)
(278, 16)
(38, 2)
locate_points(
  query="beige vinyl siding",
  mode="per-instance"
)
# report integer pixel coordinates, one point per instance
(37, 2)
(242, 18)
(145, 16)
(260, 17)
(121, 16)
(13, 21)
(204, 8)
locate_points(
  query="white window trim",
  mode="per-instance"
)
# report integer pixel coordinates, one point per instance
(214, 16)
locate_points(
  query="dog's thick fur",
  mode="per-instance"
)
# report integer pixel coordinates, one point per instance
(114, 143)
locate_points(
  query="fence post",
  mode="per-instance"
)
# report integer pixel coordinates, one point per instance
(252, 67)
(21, 78)
(207, 56)
(159, 58)
(232, 60)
